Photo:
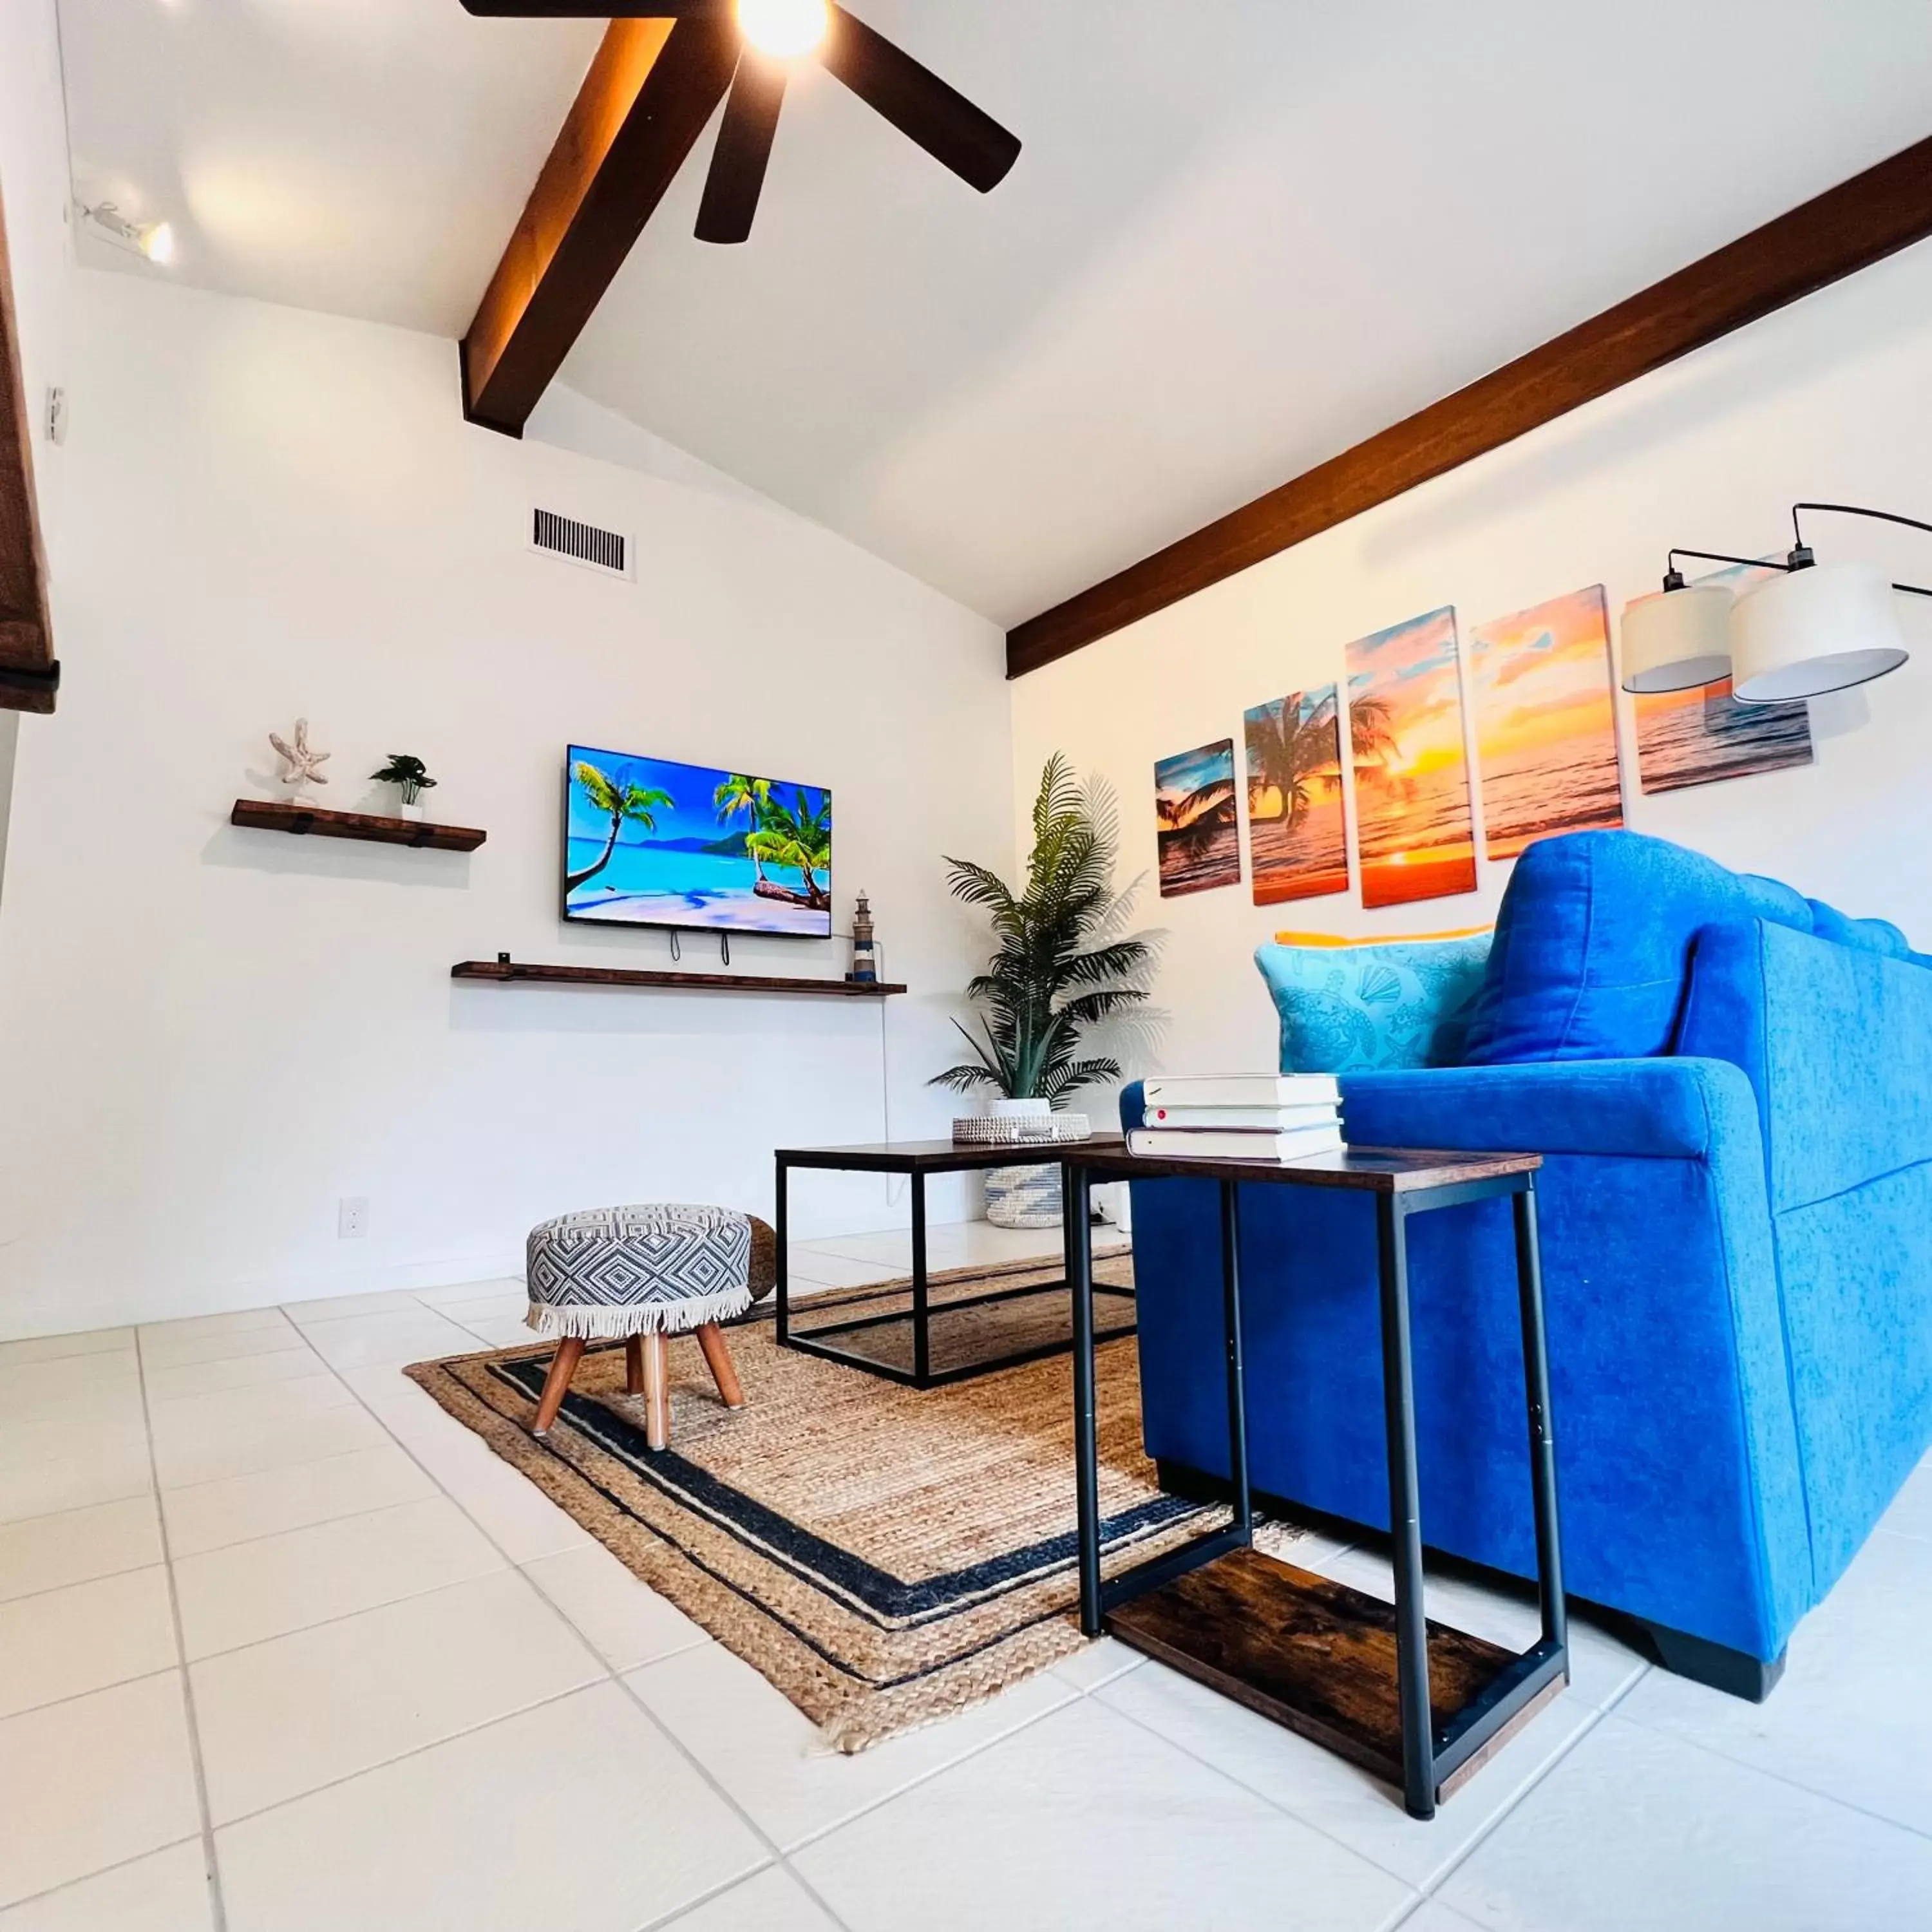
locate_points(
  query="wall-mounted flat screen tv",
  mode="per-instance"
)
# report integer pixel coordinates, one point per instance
(648, 842)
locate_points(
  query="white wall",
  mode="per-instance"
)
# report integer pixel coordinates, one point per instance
(1831, 399)
(212, 1035)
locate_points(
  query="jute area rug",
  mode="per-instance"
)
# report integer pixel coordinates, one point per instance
(884, 1557)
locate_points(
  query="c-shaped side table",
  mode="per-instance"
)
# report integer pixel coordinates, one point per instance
(1419, 1704)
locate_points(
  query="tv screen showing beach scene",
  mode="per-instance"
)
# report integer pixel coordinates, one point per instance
(649, 842)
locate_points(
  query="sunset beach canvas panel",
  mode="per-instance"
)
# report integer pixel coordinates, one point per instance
(1297, 848)
(1703, 735)
(1414, 831)
(1195, 818)
(648, 841)
(1698, 736)
(1546, 722)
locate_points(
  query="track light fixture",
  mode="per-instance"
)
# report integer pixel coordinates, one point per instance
(155, 239)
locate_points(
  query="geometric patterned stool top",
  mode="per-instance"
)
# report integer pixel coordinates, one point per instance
(660, 1269)
(644, 1274)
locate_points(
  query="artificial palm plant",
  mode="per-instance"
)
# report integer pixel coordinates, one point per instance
(1061, 968)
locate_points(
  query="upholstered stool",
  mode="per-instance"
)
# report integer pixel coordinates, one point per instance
(646, 1274)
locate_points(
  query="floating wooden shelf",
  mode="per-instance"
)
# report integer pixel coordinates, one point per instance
(274, 815)
(516, 973)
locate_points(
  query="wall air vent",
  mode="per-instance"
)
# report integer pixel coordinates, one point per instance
(582, 544)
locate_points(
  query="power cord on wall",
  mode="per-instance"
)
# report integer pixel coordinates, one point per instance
(896, 1184)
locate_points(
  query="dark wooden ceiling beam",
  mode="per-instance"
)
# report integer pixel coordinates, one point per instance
(1848, 227)
(651, 89)
(29, 675)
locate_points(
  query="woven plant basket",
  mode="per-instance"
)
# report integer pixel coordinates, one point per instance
(1024, 1197)
(1021, 1197)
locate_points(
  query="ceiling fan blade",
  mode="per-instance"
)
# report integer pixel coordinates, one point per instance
(596, 9)
(918, 103)
(737, 176)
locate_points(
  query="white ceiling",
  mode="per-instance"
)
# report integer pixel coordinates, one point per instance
(1242, 235)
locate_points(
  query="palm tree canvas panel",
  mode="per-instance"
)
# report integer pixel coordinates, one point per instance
(1415, 837)
(1195, 818)
(1547, 722)
(1698, 737)
(650, 842)
(1297, 847)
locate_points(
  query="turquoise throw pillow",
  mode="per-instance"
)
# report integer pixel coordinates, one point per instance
(1403, 1003)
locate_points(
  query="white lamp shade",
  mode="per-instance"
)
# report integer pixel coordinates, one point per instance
(1813, 631)
(1677, 639)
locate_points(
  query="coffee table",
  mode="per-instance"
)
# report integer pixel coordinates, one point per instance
(1417, 1703)
(916, 1159)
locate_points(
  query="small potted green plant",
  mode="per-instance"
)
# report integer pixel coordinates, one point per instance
(410, 777)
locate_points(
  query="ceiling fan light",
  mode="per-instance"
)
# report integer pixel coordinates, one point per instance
(785, 29)
(1809, 631)
(1677, 640)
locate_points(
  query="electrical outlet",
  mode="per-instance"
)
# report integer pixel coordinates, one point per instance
(351, 1217)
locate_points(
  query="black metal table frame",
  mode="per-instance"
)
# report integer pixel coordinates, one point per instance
(922, 1374)
(1428, 1757)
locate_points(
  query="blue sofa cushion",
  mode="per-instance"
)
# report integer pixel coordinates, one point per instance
(1593, 946)
(1349, 1009)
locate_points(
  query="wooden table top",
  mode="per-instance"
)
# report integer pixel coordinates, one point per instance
(947, 1156)
(1373, 1170)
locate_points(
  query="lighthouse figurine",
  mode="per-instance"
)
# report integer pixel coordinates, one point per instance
(865, 961)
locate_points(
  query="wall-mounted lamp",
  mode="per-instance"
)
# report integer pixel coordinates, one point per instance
(154, 239)
(1812, 629)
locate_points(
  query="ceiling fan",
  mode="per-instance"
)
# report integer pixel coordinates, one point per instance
(776, 32)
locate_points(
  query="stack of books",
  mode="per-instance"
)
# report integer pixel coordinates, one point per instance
(1280, 1117)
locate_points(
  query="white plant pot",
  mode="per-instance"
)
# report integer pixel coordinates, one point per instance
(1016, 1110)
(412, 809)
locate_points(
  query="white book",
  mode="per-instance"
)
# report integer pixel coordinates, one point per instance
(1194, 1144)
(1241, 1089)
(1272, 1120)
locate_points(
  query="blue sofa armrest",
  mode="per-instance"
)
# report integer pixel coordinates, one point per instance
(1666, 1109)
(1837, 1041)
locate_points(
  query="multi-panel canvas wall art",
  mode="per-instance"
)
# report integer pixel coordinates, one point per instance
(1413, 835)
(1195, 818)
(1698, 736)
(1546, 722)
(1297, 848)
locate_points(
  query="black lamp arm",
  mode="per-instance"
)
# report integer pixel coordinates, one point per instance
(1852, 510)
(1800, 556)
(1858, 510)
(1717, 556)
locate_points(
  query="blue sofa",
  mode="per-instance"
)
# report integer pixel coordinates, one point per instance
(1733, 1087)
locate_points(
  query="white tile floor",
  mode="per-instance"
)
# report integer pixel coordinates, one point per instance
(283, 1648)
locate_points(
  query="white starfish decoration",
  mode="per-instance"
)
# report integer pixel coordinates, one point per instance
(304, 766)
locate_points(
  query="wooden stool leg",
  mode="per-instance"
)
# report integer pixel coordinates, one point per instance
(562, 1367)
(657, 1393)
(634, 1366)
(718, 1354)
